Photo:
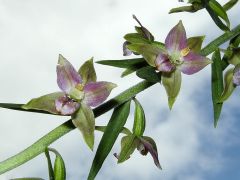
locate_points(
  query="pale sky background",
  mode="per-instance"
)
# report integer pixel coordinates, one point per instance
(33, 33)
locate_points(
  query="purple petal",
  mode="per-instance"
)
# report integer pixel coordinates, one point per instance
(236, 75)
(176, 39)
(193, 63)
(163, 64)
(67, 76)
(126, 51)
(149, 147)
(66, 106)
(97, 92)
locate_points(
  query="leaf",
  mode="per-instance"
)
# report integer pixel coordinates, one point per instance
(139, 119)
(195, 43)
(50, 168)
(84, 120)
(148, 73)
(136, 38)
(214, 10)
(59, 166)
(103, 128)
(114, 127)
(44, 103)
(228, 86)
(229, 4)
(217, 85)
(128, 71)
(125, 63)
(172, 84)
(87, 72)
(128, 145)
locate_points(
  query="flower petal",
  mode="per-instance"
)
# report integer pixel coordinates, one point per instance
(126, 51)
(176, 39)
(66, 106)
(97, 92)
(148, 145)
(193, 63)
(236, 75)
(67, 76)
(163, 64)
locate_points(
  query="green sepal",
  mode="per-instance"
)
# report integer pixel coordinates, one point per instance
(114, 127)
(84, 120)
(217, 85)
(144, 32)
(172, 84)
(139, 119)
(136, 38)
(128, 145)
(228, 86)
(148, 51)
(195, 43)
(149, 73)
(235, 56)
(87, 72)
(44, 103)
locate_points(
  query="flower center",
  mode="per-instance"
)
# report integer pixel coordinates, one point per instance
(77, 93)
(185, 51)
(176, 57)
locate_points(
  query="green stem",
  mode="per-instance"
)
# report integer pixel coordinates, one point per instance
(40, 146)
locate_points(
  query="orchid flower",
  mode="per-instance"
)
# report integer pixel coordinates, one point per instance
(178, 55)
(76, 90)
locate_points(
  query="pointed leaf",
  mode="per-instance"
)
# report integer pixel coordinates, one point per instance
(139, 119)
(195, 43)
(148, 73)
(59, 166)
(172, 84)
(228, 86)
(125, 63)
(125, 131)
(87, 72)
(114, 127)
(219, 10)
(50, 168)
(217, 85)
(44, 103)
(84, 120)
(128, 145)
(229, 4)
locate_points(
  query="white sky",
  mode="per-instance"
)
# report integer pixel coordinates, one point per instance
(33, 33)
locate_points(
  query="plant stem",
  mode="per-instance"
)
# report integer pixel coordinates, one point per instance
(40, 146)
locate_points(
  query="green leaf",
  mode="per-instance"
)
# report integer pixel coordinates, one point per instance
(139, 119)
(128, 145)
(217, 85)
(216, 10)
(44, 103)
(114, 127)
(59, 166)
(195, 43)
(87, 72)
(128, 71)
(172, 84)
(148, 51)
(125, 131)
(229, 4)
(136, 38)
(125, 63)
(148, 73)
(84, 120)
(228, 86)
(50, 168)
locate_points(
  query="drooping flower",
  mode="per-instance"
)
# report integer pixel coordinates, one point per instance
(177, 55)
(71, 83)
